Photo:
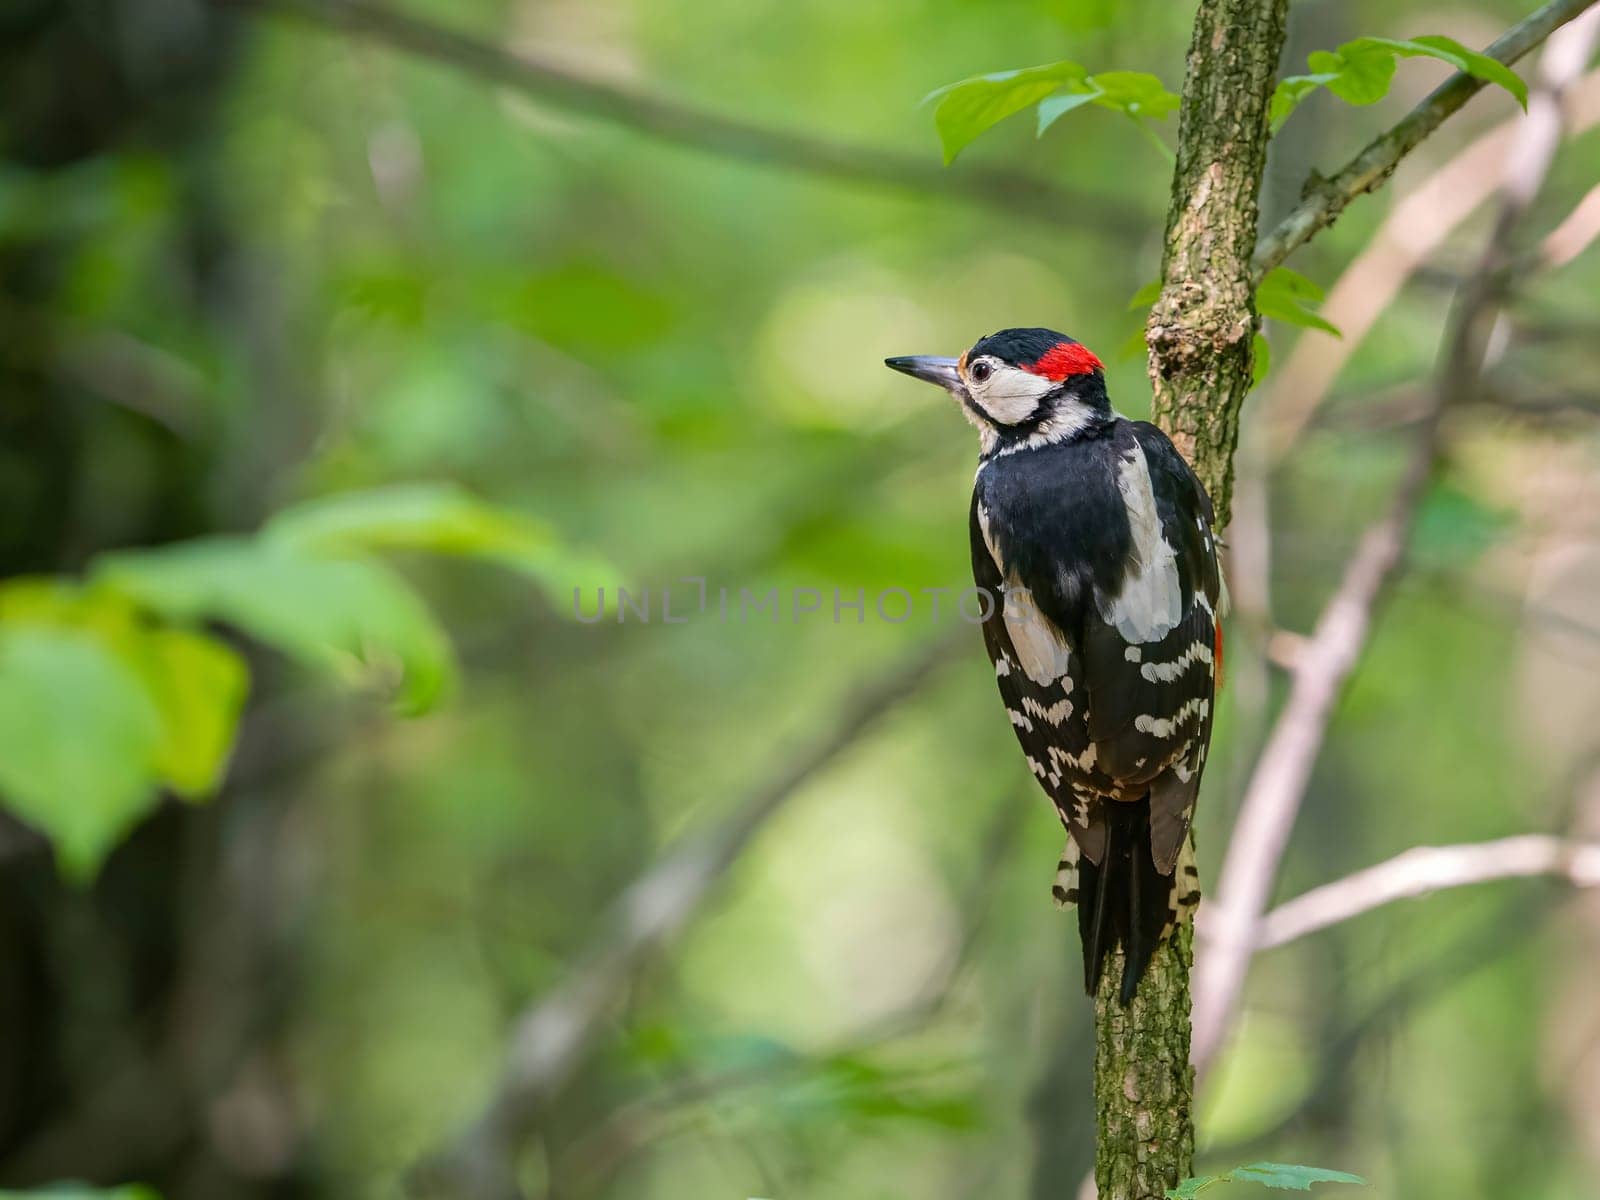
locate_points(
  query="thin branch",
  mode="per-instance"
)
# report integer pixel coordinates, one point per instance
(681, 124)
(1272, 801)
(1418, 225)
(1426, 869)
(631, 1127)
(551, 1039)
(1575, 234)
(1469, 953)
(1325, 199)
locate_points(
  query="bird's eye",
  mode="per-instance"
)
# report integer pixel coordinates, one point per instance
(980, 371)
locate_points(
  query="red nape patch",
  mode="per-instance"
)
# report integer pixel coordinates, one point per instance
(1066, 359)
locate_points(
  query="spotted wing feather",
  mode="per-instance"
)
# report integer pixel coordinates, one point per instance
(1046, 716)
(1164, 712)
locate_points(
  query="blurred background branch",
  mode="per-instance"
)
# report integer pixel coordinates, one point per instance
(447, 294)
(549, 1041)
(1420, 223)
(697, 129)
(1319, 668)
(1324, 661)
(1325, 199)
(1423, 870)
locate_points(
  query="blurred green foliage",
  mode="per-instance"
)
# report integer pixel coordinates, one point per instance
(329, 373)
(966, 109)
(1362, 70)
(113, 689)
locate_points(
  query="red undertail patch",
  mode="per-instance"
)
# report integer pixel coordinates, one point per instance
(1066, 359)
(1217, 654)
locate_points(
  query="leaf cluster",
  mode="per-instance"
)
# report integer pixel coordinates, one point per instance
(965, 109)
(118, 686)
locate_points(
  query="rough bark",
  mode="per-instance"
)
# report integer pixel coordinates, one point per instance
(1201, 327)
(1199, 333)
(1143, 1083)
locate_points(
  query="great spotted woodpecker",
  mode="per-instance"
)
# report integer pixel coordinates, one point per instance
(1095, 541)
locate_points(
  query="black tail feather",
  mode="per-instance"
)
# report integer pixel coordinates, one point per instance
(1124, 900)
(1092, 922)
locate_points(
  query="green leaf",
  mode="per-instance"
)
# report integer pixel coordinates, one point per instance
(1137, 93)
(1193, 1186)
(63, 604)
(1134, 345)
(970, 106)
(1145, 296)
(438, 518)
(353, 617)
(1260, 359)
(1286, 295)
(79, 741)
(1290, 91)
(196, 682)
(198, 685)
(1290, 1177)
(1470, 62)
(1361, 71)
(1053, 108)
(1273, 1175)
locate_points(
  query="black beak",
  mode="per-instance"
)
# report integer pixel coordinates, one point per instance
(928, 368)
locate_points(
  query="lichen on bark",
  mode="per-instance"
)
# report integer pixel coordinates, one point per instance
(1200, 329)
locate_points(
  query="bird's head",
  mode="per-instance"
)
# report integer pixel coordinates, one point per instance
(1020, 385)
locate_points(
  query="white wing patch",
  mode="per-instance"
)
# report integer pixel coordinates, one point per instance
(1151, 601)
(1042, 652)
(988, 540)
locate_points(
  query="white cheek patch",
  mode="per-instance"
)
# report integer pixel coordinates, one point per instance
(1010, 396)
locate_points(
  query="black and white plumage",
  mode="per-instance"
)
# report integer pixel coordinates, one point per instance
(1095, 540)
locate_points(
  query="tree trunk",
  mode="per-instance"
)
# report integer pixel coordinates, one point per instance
(1201, 327)
(1200, 333)
(1143, 1083)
